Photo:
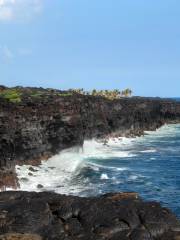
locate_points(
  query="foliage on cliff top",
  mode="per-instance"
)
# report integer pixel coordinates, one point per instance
(109, 94)
(12, 95)
(18, 94)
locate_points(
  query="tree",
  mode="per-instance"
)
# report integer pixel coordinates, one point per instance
(127, 92)
(94, 92)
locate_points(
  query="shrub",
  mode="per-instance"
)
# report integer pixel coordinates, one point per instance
(36, 94)
(11, 95)
(65, 94)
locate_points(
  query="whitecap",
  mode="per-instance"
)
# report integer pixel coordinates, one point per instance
(96, 165)
(104, 176)
(63, 169)
(133, 177)
(149, 151)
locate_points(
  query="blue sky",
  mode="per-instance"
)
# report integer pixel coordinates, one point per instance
(101, 44)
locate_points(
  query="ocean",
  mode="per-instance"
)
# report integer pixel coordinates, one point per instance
(149, 165)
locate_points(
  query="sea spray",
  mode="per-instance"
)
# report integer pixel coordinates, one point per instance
(149, 165)
(60, 171)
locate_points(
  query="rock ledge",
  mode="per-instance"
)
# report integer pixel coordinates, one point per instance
(121, 216)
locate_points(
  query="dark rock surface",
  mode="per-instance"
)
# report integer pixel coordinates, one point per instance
(113, 217)
(37, 128)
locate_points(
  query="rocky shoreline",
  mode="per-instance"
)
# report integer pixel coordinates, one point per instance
(38, 216)
(35, 128)
(44, 122)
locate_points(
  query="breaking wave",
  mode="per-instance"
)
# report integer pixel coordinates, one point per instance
(149, 165)
(57, 173)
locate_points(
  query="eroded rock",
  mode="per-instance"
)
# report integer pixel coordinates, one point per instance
(121, 216)
(38, 128)
(18, 236)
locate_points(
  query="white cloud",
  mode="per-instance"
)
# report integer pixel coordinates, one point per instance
(19, 9)
(6, 54)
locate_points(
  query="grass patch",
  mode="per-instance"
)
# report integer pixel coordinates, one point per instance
(36, 94)
(12, 95)
(65, 94)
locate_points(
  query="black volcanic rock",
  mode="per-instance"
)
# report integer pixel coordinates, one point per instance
(38, 127)
(50, 120)
(122, 216)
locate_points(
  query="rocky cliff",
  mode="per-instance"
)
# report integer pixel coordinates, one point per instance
(40, 125)
(49, 216)
(36, 124)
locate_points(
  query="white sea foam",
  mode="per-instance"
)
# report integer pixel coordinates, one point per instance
(149, 151)
(133, 177)
(166, 130)
(104, 176)
(56, 172)
(101, 166)
(60, 173)
(101, 150)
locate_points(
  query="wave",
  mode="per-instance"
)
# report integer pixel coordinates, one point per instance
(104, 176)
(149, 151)
(97, 167)
(59, 171)
(73, 170)
(109, 149)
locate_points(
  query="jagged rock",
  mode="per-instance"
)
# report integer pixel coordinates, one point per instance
(37, 128)
(32, 169)
(16, 236)
(51, 216)
(24, 179)
(8, 178)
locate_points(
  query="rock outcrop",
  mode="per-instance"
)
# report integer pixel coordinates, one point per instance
(36, 128)
(49, 216)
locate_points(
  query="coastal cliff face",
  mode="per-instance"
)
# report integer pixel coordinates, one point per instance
(122, 216)
(37, 128)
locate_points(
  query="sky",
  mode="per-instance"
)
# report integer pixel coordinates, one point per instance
(102, 44)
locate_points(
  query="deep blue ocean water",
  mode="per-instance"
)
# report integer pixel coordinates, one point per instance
(152, 169)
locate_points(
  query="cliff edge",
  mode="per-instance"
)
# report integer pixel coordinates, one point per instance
(37, 123)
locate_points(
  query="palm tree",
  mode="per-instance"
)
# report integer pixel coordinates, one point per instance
(130, 92)
(127, 92)
(116, 93)
(94, 92)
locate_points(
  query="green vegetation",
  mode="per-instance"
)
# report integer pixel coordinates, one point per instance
(19, 94)
(65, 94)
(109, 94)
(36, 94)
(43, 94)
(12, 95)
